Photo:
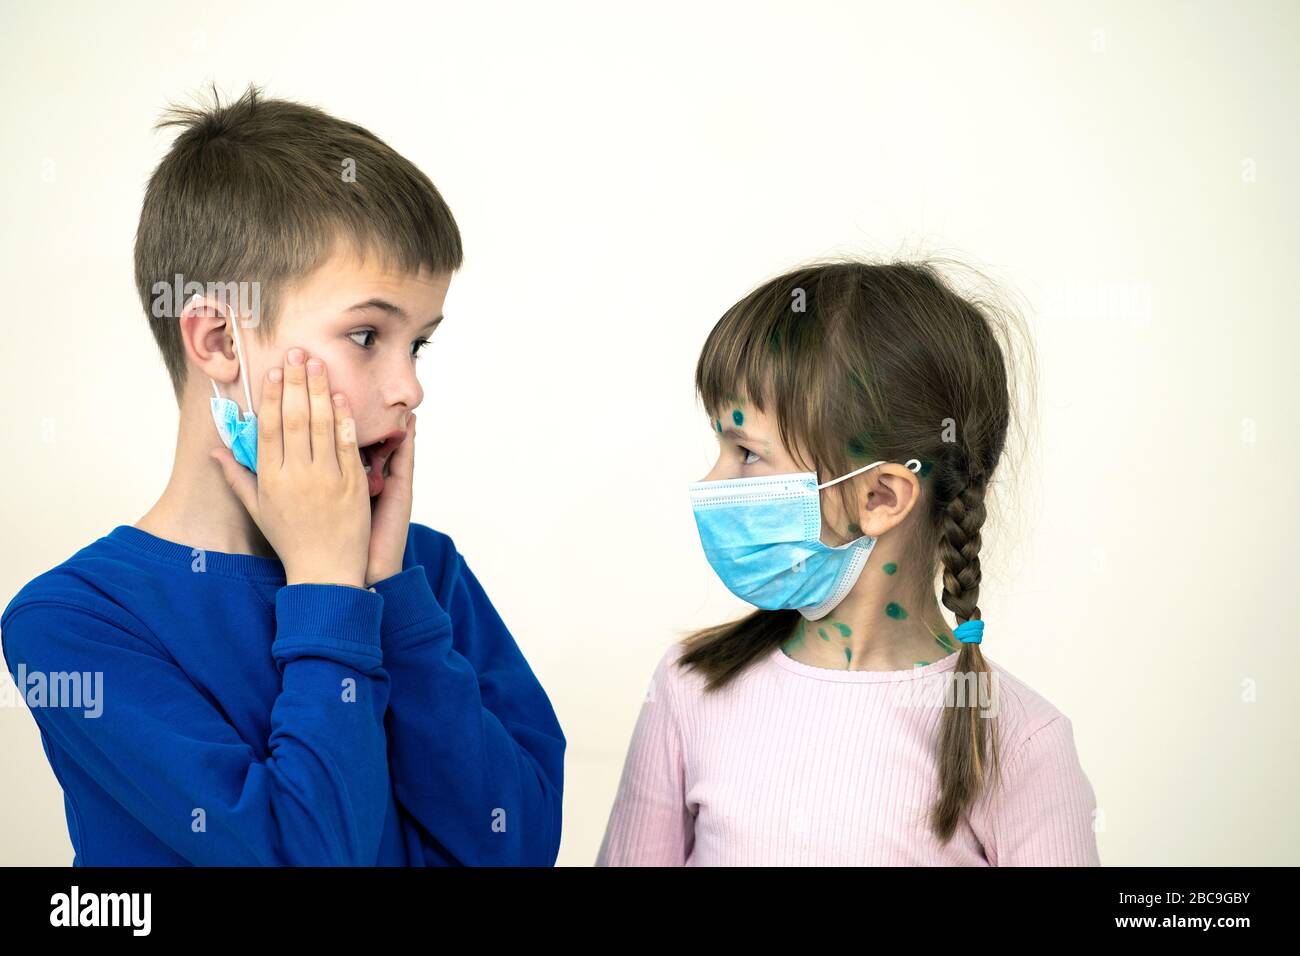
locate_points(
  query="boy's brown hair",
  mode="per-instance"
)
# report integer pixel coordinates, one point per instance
(259, 190)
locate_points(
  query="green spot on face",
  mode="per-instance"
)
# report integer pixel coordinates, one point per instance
(890, 568)
(843, 629)
(717, 424)
(738, 417)
(895, 611)
(860, 446)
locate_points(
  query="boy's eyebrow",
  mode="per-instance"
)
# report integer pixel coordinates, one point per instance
(383, 305)
(394, 310)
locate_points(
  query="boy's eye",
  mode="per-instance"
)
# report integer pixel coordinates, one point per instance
(416, 346)
(747, 452)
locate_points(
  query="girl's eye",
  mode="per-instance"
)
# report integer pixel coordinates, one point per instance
(416, 346)
(747, 452)
(370, 332)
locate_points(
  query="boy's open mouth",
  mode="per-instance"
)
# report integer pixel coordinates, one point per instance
(375, 457)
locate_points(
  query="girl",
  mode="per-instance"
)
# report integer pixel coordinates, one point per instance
(861, 411)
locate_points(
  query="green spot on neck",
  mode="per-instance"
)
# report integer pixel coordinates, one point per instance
(796, 640)
(848, 656)
(890, 568)
(822, 632)
(945, 642)
(895, 611)
(843, 629)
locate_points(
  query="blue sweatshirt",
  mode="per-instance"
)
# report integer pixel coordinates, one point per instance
(198, 710)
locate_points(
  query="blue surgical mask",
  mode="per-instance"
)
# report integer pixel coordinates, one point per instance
(763, 537)
(238, 434)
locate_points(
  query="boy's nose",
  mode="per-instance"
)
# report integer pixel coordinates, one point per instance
(404, 388)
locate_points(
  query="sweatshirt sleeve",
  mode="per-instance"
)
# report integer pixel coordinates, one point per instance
(314, 793)
(1042, 815)
(650, 823)
(476, 751)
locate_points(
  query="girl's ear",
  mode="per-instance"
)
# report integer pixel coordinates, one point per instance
(888, 495)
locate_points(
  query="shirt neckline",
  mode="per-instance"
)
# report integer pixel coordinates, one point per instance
(250, 566)
(782, 660)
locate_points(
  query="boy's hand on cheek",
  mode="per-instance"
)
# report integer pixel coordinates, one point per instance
(390, 520)
(309, 496)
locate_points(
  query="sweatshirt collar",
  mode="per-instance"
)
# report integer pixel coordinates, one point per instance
(251, 566)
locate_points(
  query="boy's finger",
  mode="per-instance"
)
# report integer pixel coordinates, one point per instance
(345, 440)
(270, 450)
(239, 478)
(322, 415)
(401, 465)
(296, 412)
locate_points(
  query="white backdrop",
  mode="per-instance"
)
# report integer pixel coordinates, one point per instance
(621, 175)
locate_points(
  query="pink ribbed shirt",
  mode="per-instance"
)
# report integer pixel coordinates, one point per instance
(794, 765)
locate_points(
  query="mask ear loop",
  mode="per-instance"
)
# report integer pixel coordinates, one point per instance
(835, 481)
(239, 352)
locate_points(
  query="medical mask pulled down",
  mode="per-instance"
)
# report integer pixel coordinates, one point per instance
(762, 536)
(239, 434)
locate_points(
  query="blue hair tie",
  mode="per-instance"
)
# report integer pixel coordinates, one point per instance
(972, 632)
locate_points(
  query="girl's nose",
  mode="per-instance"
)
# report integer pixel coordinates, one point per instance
(718, 472)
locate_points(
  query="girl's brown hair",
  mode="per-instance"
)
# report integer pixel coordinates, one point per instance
(865, 362)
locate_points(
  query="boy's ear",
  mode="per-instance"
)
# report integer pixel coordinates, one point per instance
(209, 341)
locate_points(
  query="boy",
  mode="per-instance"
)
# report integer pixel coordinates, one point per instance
(282, 669)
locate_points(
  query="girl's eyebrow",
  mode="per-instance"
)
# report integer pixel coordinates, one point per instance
(731, 432)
